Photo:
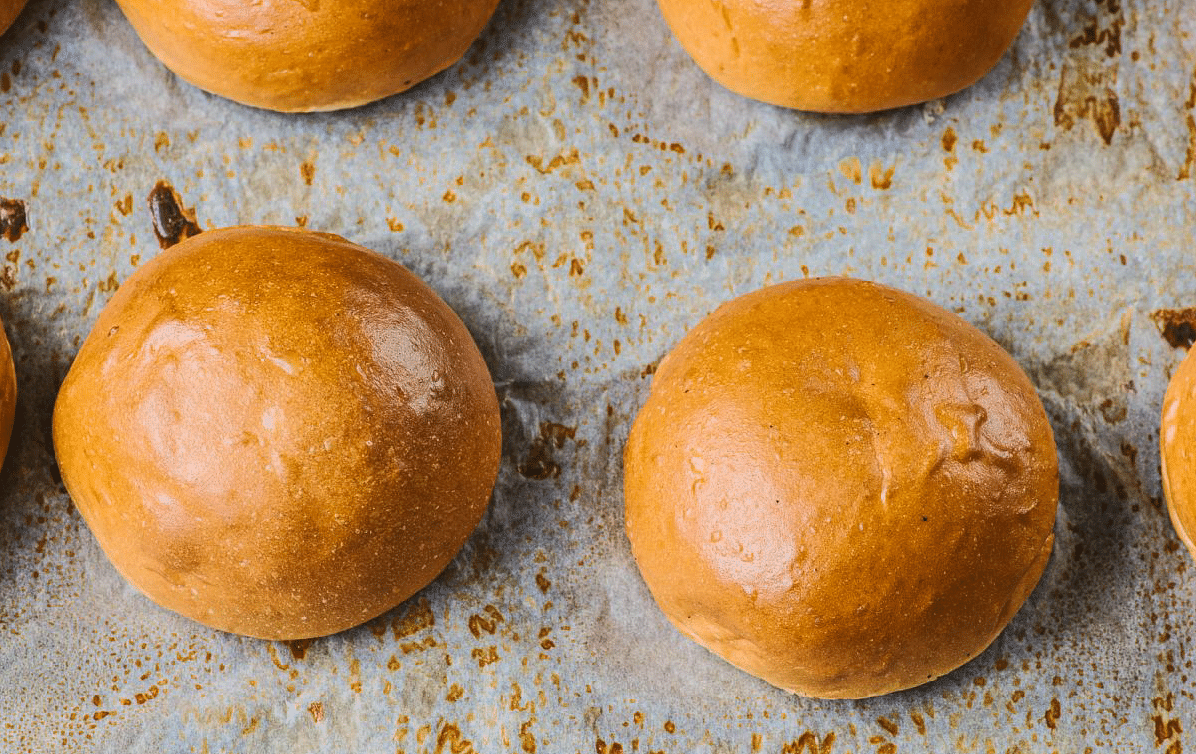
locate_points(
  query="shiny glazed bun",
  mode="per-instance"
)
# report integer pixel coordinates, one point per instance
(307, 55)
(1177, 445)
(9, 10)
(840, 487)
(845, 56)
(8, 393)
(278, 433)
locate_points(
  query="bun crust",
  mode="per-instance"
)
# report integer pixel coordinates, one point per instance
(840, 488)
(1177, 445)
(307, 55)
(845, 57)
(278, 433)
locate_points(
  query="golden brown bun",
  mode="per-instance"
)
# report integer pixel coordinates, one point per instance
(1177, 445)
(840, 487)
(9, 10)
(8, 393)
(307, 55)
(278, 433)
(845, 56)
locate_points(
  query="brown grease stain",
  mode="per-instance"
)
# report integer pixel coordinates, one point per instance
(13, 220)
(881, 178)
(1100, 105)
(527, 741)
(1107, 36)
(172, 221)
(479, 624)
(1087, 83)
(1185, 170)
(1177, 326)
(1167, 730)
(919, 722)
(601, 747)
(487, 656)
(450, 741)
(298, 647)
(539, 463)
(1052, 714)
(308, 171)
(809, 743)
(949, 139)
(316, 710)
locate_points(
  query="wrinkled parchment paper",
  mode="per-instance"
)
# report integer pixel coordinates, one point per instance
(582, 194)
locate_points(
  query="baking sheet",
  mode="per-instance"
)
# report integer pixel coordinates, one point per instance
(582, 195)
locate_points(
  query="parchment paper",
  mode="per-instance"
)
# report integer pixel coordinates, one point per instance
(582, 194)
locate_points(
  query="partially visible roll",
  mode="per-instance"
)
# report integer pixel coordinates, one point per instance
(9, 10)
(845, 56)
(8, 393)
(1177, 446)
(307, 55)
(840, 488)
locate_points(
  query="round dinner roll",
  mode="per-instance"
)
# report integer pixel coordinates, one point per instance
(307, 55)
(1177, 446)
(278, 433)
(840, 488)
(9, 10)
(849, 56)
(8, 393)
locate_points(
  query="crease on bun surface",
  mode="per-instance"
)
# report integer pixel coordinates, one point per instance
(307, 55)
(840, 488)
(845, 56)
(278, 433)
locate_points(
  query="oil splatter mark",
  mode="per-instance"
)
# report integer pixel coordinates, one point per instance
(1100, 34)
(308, 171)
(1177, 326)
(172, 221)
(316, 710)
(1085, 95)
(451, 741)
(809, 743)
(1088, 82)
(540, 463)
(1052, 714)
(13, 220)
(487, 623)
(1167, 730)
(949, 139)
(298, 647)
(880, 177)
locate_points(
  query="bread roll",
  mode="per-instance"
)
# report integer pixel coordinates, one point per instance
(307, 55)
(1177, 445)
(278, 433)
(845, 56)
(840, 487)
(8, 393)
(9, 10)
